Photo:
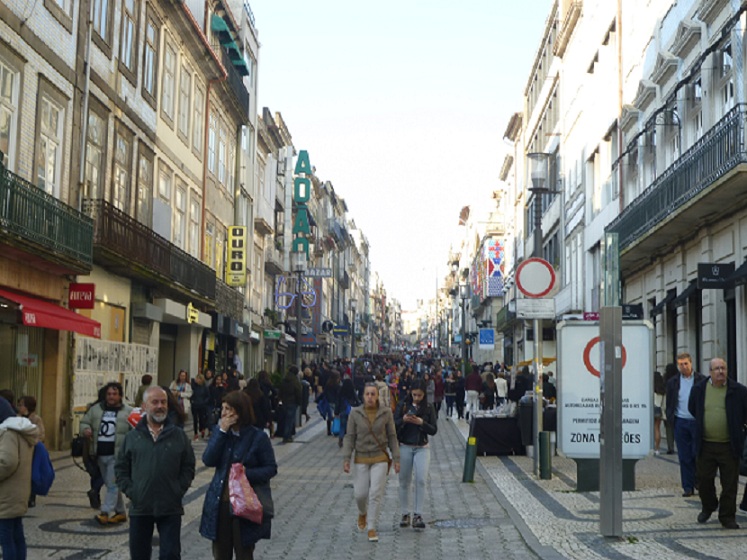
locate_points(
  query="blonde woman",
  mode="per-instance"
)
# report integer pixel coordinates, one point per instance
(372, 435)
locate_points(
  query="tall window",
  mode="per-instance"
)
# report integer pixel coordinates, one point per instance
(180, 207)
(194, 225)
(144, 189)
(122, 170)
(95, 152)
(127, 42)
(198, 129)
(101, 18)
(150, 59)
(9, 84)
(168, 82)
(222, 154)
(164, 183)
(209, 243)
(220, 249)
(212, 134)
(185, 103)
(49, 147)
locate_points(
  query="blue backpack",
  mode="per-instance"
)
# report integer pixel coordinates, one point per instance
(42, 471)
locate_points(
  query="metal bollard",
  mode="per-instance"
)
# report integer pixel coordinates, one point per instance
(470, 458)
(545, 457)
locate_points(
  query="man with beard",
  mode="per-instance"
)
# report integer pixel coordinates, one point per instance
(155, 468)
(106, 425)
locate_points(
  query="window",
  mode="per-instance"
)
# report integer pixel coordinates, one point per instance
(180, 205)
(144, 189)
(209, 243)
(61, 10)
(128, 39)
(220, 247)
(95, 155)
(102, 24)
(194, 225)
(185, 99)
(9, 85)
(122, 169)
(222, 154)
(150, 59)
(164, 183)
(230, 164)
(212, 133)
(49, 146)
(198, 128)
(168, 82)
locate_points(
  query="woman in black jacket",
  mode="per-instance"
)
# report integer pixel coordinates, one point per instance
(260, 403)
(415, 420)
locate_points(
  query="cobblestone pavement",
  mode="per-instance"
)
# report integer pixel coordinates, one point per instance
(506, 513)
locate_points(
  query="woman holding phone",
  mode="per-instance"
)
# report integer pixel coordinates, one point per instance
(415, 420)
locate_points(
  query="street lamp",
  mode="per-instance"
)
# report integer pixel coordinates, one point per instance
(464, 294)
(539, 172)
(298, 264)
(353, 304)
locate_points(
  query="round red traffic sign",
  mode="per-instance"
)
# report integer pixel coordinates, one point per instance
(587, 356)
(535, 277)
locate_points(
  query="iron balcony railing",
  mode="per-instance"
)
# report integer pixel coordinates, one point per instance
(236, 82)
(719, 151)
(42, 222)
(132, 242)
(229, 301)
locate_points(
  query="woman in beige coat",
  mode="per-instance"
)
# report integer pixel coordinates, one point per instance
(17, 439)
(370, 432)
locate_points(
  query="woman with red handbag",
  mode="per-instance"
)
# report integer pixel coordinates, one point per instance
(237, 440)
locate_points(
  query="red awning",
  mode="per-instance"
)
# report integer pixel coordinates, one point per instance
(39, 313)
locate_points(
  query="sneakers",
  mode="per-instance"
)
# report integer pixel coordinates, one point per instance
(372, 536)
(405, 521)
(656, 452)
(417, 522)
(102, 518)
(117, 518)
(362, 521)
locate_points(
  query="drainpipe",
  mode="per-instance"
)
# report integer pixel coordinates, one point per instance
(84, 113)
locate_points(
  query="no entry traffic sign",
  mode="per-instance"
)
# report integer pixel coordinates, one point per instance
(535, 277)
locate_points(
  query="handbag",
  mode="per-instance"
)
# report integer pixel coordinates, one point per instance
(244, 501)
(335, 428)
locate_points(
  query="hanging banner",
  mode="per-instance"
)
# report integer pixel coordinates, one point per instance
(236, 261)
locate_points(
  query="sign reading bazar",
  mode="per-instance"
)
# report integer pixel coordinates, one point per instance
(82, 296)
(301, 195)
(236, 261)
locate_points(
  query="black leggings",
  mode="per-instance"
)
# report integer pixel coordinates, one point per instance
(199, 418)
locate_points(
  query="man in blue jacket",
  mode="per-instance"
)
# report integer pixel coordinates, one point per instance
(719, 406)
(154, 469)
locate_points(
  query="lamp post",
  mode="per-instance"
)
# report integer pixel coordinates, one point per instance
(464, 294)
(353, 304)
(298, 263)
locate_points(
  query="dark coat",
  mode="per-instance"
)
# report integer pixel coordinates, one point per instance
(673, 393)
(253, 449)
(412, 434)
(290, 391)
(200, 395)
(155, 475)
(736, 413)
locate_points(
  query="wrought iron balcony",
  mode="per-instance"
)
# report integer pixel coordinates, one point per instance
(704, 185)
(132, 249)
(228, 301)
(236, 84)
(42, 229)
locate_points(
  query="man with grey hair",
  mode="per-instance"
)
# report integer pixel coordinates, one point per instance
(719, 406)
(155, 468)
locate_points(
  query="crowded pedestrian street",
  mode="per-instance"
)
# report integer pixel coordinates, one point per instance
(505, 513)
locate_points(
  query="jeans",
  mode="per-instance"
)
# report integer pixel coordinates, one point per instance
(113, 502)
(343, 425)
(417, 459)
(369, 483)
(684, 436)
(141, 537)
(450, 405)
(12, 539)
(290, 420)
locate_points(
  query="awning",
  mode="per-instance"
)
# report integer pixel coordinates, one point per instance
(220, 28)
(241, 67)
(659, 307)
(36, 312)
(739, 276)
(681, 299)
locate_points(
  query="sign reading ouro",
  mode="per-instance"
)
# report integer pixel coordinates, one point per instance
(301, 195)
(579, 405)
(236, 262)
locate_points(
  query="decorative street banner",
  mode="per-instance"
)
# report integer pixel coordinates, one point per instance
(495, 268)
(579, 412)
(236, 261)
(487, 339)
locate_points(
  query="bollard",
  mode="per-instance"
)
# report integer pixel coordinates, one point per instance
(470, 458)
(545, 457)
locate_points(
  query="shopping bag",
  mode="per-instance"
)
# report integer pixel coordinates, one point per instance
(335, 429)
(241, 495)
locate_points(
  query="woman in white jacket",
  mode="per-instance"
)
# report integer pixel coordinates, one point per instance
(17, 439)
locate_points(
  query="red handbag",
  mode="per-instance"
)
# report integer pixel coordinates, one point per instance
(244, 501)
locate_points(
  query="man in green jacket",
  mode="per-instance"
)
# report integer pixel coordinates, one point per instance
(154, 469)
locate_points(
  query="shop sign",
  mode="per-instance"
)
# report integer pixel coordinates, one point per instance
(236, 261)
(81, 296)
(272, 334)
(301, 195)
(714, 276)
(193, 315)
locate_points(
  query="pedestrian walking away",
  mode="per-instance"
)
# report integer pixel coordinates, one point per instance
(155, 468)
(237, 440)
(370, 432)
(415, 420)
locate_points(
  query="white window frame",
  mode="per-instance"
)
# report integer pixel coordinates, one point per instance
(165, 180)
(212, 139)
(128, 35)
(122, 174)
(96, 156)
(145, 174)
(195, 214)
(49, 146)
(185, 103)
(180, 214)
(198, 127)
(9, 107)
(150, 58)
(101, 18)
(168, 82)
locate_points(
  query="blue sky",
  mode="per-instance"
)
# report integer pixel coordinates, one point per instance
(402, 106)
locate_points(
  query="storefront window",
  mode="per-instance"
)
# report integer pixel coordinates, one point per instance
(21, 359)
